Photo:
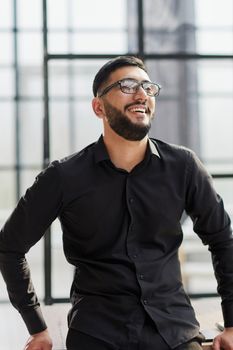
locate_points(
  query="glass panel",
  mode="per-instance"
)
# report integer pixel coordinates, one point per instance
(102, 32)
(30, 48)
(196, 102)
(169, 27)
(57, 14)
(91, 42)
(83, 73)
(29, 14)
(6, 14)
(6, 82)
(211, 13)
(217, 147)
(7, 139)
(31, 133)
(214, 28)
(58, 42)
(206, 42)
(94, 42)
(188, 27)
(60, 267)
(176, 116)
(30, 81)
(59, 78)
(167, 113)
(60, 129)
(6, 48)
(113, 16)
(7, 193)
(87, 126)
(215, 77)
(76, 126)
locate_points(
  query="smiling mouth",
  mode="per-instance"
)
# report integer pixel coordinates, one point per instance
(138, 109)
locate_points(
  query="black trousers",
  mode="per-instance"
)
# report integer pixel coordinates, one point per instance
(150, 339)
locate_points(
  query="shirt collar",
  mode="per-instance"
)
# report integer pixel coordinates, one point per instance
(153, 148)
(101, 152)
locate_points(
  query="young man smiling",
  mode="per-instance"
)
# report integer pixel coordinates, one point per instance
(120, 201)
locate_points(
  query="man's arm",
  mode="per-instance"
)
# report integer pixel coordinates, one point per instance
(213, 225)
(26, 225)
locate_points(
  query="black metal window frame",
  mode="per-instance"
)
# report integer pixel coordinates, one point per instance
(48, 298)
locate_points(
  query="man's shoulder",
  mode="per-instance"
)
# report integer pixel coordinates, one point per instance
(167, 148)
(80, 156)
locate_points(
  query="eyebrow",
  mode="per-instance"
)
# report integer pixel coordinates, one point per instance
(141, 81)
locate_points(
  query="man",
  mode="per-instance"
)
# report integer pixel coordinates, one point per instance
(120, 202)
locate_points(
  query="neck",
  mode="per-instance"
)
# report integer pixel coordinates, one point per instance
(125, 154)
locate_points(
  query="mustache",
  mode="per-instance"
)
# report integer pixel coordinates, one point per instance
(136, 104)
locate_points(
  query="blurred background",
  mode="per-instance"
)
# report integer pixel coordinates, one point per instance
(49, 53)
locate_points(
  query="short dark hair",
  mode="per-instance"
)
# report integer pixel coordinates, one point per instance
(112, 65)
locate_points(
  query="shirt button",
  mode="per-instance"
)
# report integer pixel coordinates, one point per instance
(141, 277)
(131, 200)
(145, 302)
(135, 256)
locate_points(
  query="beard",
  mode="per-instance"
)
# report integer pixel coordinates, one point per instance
(123, 126)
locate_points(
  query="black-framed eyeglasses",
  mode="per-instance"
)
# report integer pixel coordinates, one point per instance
(131, 86)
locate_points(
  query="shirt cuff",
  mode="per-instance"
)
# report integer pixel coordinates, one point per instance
(34, 320)
(227, 311)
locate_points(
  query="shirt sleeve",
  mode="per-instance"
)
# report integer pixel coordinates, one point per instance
(35, 211)
(212, 224)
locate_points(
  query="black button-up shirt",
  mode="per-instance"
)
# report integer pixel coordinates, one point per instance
(122, 233)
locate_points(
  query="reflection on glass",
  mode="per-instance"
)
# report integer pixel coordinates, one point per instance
(215, 14)
(216, 125)
(7, 193)
(6, 48)
(29, 14)
(113, 17)
(30, 48)
(6, 14)
(7, 139)
(30, 81)
(6, 82)
(31, 133)
(215, 77)
(215, 42)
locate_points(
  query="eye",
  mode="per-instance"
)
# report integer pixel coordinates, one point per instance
(129, 85)
(150, 89)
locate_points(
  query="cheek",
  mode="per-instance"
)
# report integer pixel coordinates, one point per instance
(152, 106)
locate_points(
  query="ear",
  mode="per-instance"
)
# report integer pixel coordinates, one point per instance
(98, 107)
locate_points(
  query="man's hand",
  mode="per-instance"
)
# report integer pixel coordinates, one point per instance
(224, 341)
(39, 341)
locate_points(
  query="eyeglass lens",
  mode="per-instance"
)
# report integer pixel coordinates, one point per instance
(129, 86)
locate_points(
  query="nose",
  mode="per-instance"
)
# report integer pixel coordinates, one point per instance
(141, 93)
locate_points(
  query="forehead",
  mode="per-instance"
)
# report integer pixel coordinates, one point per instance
(128, 72)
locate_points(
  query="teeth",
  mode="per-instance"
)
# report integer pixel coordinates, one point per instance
(137, 110)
